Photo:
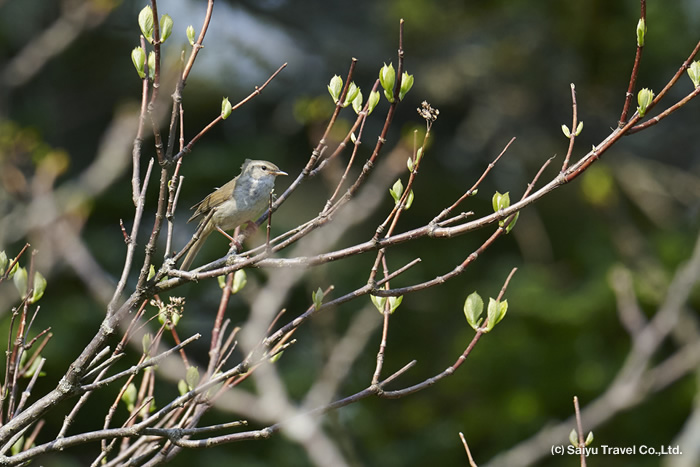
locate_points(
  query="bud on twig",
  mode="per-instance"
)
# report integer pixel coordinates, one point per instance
(641, 32)
(644, 99)
(166, 27)
(146, 23)
(138, 56)
(694, 73)
(225, 108)
(387, 78)
(335, 87)
(406, 85)
(373, 101)
(190, 34)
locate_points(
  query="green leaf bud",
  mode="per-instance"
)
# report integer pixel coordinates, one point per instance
(378, 302)
(225, 108)
(500, 201)
(192, 377)
(20, 281)
(240, 279)
(473, 307)
(182, 387)
(146, 23)
(394, 303)
(276, 357)
(396, 191)
(129, 396)
(151, 64)
(335, 87)
(641, 32)
(496, 311)
(406, 85)
(589, 438)
(387, 78)
(166, 27)
(579, 128)
(138, 56)
(373, 101)
(644, 98)
(38, 288)
(694, 73)
(573, 438)
(409, 201)
(565, 130)
(512, 223)
(190, 34)
(357, 103)
(353, 91)
(317, 298)
(3, 262)
(419, 154)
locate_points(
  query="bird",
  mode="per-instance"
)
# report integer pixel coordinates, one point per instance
(242, 199)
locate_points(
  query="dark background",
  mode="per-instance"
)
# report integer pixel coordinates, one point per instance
(495, 70)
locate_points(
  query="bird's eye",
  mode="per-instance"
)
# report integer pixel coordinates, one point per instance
(264, 167)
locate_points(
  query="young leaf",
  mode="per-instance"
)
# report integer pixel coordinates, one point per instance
(166, 27)
(512, 223)
(3, 262)
(565, 130)
(409, 201)
(182, 387)
(129, 396)
(394, 303)
(151, 64)
(225, 108)
(39, 287)
(353, 91)
(357, 103)
(379, 302)
(473, 307)
(192, 377)
(641, 32)
(495, 312)
(276, 357)
(20, 280)
(589, 438)
(240, 279)
(335, 87)
(373, 101)
(387, 78)
(644, 99)
(694, 73)
(396, 191)
(573, 437)
(406, 85)
(317, 298)
(138, 57)
(500, 201)
(146, 23)
(190, 34)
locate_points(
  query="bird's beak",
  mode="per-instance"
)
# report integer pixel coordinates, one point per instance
(279, 172)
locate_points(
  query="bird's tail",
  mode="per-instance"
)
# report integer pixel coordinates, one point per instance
(194, 249)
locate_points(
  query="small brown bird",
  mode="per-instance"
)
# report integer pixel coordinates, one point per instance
(241, 200)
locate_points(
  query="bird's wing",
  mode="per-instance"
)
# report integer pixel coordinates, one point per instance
(212, 200)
